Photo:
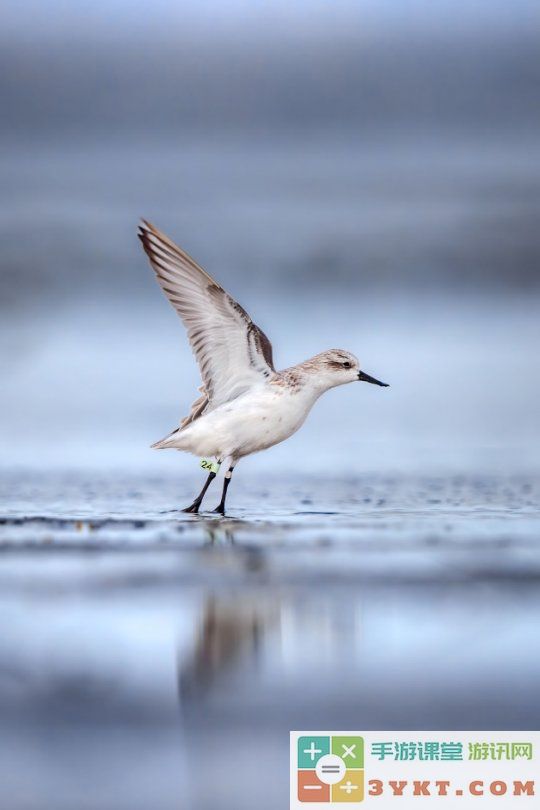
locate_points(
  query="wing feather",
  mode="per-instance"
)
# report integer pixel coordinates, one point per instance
(233, 354)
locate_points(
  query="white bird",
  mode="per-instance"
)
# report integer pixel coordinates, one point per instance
(245, 404)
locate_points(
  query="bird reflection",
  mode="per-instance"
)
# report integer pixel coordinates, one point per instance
(218, 531)
(230, 634)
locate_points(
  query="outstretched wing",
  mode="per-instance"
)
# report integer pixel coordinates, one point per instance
(232, 352)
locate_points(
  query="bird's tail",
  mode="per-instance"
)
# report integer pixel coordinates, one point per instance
(167, 441)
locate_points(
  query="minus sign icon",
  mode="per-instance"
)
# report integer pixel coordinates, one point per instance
(312, 787)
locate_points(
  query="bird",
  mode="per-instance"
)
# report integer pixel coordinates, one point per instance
(245, 404)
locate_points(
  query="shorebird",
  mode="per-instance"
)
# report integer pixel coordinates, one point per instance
(245, 404)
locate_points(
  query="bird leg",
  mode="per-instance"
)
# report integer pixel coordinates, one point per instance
(220, 509)
(194, 508)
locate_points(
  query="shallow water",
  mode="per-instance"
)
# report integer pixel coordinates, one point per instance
(154, 659)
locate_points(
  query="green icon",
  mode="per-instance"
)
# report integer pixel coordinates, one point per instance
(311, 749)
(350, 749)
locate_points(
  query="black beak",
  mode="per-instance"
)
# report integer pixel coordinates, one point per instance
(363, 377)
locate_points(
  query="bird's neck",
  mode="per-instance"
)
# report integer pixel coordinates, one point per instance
(305, 379)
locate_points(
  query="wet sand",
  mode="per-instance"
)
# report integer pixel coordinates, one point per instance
(154, 659)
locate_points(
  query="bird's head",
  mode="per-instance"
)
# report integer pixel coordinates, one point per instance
(337, 367)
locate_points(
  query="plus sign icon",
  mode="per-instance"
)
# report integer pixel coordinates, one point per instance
(329, 769)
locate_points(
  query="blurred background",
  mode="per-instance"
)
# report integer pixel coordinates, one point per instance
(362, 174)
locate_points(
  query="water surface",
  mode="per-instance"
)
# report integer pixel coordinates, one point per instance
(154, 659)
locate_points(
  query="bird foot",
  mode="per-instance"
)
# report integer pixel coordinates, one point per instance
(193, 509)
(219, 510)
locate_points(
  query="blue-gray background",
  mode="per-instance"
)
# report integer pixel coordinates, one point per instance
(358, 174)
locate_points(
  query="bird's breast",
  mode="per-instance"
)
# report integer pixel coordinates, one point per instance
(269, 418)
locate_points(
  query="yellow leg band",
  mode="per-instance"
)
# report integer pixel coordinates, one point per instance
(210, 466)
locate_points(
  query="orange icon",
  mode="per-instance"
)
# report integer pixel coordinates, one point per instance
(311, 789)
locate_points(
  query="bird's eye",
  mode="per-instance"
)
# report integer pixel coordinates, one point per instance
(346, 364)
